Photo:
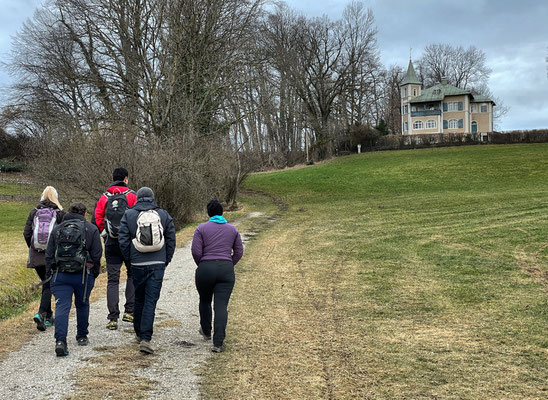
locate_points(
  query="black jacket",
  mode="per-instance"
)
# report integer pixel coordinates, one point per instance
(128, 230)
(37, 258)
(93, 246)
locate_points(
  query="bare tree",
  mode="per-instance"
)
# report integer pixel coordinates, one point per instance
(464, 68)
(392, 99)
(105, 83)
(361, 95)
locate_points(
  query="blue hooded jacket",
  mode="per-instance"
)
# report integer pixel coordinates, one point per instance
(128, 229)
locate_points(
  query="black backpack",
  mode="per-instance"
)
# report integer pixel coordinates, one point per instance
(71, 253)
(114, 211)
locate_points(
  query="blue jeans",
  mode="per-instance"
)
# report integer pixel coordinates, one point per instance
(63, 286)
(147, 280)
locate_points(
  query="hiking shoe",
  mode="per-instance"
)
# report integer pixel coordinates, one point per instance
(112, 325)
(49, 321)
(218, 349)
(137, 339)
(40, 325)
(206, 337)
(128, 317)
(82, 341)
(61, 348)
(145, 347)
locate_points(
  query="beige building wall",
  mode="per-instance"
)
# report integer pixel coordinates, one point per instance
(483, 121)
(424, 120)
(448, 115)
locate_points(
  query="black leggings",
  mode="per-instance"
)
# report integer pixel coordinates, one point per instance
(215, 279)
(45, 300)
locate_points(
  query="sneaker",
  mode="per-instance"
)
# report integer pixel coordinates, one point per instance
(82, 341)
(61, 348)
(128, 317)
(39, 319)
(145, 347)
(206, 337)
(112, 325)
(49, 321)
(218, 349)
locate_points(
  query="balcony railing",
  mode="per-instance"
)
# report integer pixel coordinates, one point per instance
(425, 113)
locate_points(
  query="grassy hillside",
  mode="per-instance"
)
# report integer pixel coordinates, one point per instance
(412, 274)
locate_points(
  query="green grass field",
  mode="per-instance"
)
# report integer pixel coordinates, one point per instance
(396, 275)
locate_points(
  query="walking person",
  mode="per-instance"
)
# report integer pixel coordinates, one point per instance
(109, 211)
(147, 242)
(216, 249)
(73, 259)
(40, 223)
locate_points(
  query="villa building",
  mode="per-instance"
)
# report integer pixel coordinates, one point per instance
(442, 108)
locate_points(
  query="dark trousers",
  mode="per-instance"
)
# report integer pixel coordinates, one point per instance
(113, 297)
(148, 284)
(45, 300)
(63, 286)
(115, 259)
(215, 280)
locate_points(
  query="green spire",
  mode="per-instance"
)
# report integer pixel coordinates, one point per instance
(411, 76)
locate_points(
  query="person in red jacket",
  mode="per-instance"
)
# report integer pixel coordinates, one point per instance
(109, 211)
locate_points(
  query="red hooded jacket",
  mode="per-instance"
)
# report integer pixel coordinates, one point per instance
(100, 208)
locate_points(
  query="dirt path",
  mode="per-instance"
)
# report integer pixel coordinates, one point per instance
(112, 365)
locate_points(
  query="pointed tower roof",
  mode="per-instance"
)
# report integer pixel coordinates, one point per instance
(410, 76)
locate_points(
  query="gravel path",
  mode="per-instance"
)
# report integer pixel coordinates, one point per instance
(34, 372)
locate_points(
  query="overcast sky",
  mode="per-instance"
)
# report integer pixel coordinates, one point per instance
(512, 33)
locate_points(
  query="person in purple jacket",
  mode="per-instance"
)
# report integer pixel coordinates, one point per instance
(216, 248)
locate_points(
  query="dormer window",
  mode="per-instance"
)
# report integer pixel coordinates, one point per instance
(437, 91)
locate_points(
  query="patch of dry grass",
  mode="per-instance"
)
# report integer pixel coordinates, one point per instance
(168, 323)
(115, 375)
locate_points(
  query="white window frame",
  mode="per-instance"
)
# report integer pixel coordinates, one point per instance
(406, 127)
(453, 124)
(484, 105)
(404, 92)
(452, 106)
(414, 92)
(474, 107)
(406, 109)
(431, 124)
(418, 125)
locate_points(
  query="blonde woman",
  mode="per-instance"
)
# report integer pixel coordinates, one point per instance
(40, 223)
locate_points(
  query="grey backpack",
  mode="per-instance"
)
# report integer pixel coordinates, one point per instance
(149, 236)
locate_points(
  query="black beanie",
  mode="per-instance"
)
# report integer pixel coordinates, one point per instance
(214, 208)
(119, 174)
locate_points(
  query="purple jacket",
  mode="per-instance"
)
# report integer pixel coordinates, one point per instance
(213, 241)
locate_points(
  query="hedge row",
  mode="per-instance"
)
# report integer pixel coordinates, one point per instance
(11, 166)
